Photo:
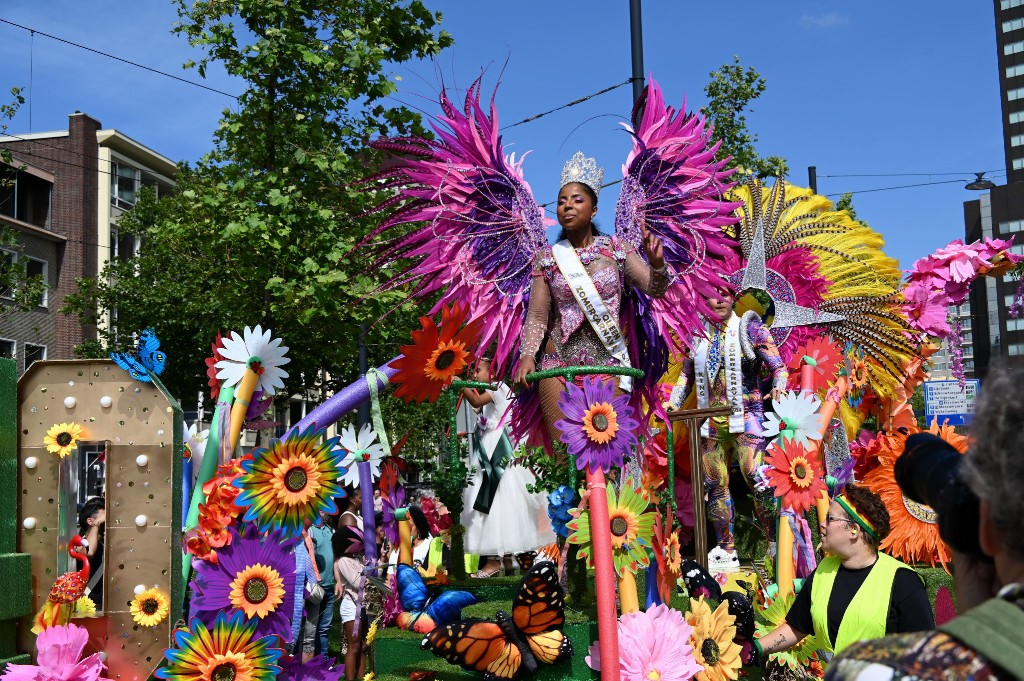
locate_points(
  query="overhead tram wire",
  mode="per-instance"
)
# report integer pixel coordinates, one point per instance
(33, 31)
(566, 106)
(901, 186)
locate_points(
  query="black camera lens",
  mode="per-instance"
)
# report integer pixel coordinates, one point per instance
(928, 473)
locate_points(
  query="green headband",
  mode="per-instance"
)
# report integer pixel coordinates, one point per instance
(857, 517)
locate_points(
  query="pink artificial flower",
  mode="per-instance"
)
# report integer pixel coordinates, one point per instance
(963, 261)
(926, 309)
(59, 649)
(653, 645)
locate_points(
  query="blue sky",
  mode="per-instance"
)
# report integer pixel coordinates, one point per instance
(866, 88)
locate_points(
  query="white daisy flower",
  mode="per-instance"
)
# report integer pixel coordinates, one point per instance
(268, 357)
(361, 447)
(195, 442)
(795, 418)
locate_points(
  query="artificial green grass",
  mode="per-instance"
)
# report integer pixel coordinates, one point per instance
(407, 656)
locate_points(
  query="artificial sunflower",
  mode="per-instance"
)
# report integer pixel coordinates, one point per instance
(436, 356)
(62, 438)
(631, 529)
(150, 608)
(598, 428)
(795, 474)
(913, 527)
(227, 651)
(292, 481)
(772, 614)
(84, 607)
(712, 641)
(252, 575)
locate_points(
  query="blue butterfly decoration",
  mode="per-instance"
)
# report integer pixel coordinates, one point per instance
(146, 361)
(423, 613)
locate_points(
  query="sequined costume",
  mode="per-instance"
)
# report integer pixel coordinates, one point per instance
(719, 447)
(555, 313)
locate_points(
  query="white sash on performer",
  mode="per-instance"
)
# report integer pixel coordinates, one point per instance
(604, 324)
(730, 365)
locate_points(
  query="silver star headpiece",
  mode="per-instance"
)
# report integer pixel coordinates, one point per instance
(583, 169)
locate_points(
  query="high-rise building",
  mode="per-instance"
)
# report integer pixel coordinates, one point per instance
(999, 213)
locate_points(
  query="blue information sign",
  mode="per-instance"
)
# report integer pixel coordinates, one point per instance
(948, 402)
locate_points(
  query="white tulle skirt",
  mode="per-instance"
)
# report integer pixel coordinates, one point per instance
(518, 521)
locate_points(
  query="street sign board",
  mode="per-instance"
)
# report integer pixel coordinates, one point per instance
(947, 401)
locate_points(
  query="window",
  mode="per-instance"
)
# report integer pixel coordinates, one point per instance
(1014, 71)
(1010, 4)
(33, 353)
(1015, 324)
(38, 268)
(1013, 25)
(124, 183)
(1011, 225)
(1015, 94)
(123, 246)
(1017, 117)
(1016, 140)
(1018, 163)
(1013, 48)
(26, 197)
(7, 348)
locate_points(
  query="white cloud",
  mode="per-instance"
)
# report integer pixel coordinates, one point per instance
(823, 20)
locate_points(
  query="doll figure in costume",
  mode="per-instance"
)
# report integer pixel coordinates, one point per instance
(724, 369)
(557, 308)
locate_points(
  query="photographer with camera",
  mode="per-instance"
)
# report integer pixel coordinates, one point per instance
(979, 499)
(856, 592)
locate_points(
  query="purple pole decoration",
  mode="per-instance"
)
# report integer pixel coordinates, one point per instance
(369, 521)
(342, 402)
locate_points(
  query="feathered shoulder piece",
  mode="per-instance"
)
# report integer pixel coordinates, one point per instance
(673, 184)
(822, 270)
(463, 222)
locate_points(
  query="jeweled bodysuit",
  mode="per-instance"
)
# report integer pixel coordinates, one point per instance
(610, 263)
(748, 446)
(554, 311)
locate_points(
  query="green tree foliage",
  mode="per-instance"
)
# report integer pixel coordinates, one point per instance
(730, 91)
(262, 229)
(20, 291)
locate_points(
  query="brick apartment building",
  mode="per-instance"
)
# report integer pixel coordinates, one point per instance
(70, 187)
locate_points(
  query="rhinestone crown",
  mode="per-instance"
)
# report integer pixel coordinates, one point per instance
(584, 170)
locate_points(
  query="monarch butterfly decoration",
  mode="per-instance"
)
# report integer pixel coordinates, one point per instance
(512, 643)
(146, 361)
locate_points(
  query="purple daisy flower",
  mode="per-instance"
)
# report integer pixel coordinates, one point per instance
(598, 428)
(253, 576)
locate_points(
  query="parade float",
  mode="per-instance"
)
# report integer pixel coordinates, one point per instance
(199, 555)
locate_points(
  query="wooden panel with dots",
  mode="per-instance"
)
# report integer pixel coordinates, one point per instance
(137, 423)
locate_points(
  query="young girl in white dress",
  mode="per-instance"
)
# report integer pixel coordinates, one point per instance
(513, 520)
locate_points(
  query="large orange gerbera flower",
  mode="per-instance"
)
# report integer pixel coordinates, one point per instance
(436, 356)
(913, 527)
(712, 641)
(795, 474)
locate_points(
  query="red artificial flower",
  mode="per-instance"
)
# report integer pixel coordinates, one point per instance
(436, 356)
(795, 474)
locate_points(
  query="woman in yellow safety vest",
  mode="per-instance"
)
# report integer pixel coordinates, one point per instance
(856, 592)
